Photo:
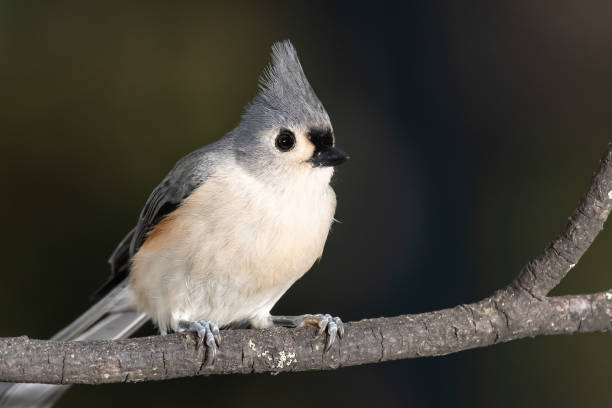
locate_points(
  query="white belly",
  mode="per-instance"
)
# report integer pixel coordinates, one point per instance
(232, 249)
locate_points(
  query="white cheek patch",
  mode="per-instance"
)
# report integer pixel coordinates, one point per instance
(303, 148)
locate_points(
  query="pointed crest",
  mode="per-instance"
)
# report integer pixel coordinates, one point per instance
(285, 96)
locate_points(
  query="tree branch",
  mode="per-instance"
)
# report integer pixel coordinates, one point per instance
(522, 309)
(545, 271)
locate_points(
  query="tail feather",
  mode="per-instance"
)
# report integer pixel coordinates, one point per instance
(116, 300)
(108, 319)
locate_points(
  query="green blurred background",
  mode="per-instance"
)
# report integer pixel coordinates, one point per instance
(474, 127)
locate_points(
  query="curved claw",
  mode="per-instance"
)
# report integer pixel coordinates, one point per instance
(340, 325)
(324, 321)
(216, 334)
(208, 333)
(331, 334)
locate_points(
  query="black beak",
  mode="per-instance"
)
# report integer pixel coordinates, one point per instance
(328, 156)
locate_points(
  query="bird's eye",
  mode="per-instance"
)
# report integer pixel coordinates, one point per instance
(285, 140)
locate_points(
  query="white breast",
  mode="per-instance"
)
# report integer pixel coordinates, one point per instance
(233, 248)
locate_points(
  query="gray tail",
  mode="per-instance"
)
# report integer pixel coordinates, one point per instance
(110, 318)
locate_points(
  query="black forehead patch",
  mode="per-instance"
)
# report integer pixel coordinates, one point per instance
(321, 138)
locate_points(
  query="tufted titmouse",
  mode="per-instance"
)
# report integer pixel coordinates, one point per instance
(227, 232)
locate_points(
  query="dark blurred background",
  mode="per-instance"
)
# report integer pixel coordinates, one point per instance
(474, 128)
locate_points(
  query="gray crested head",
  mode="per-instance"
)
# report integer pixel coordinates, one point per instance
(286, 125)
(286, 97)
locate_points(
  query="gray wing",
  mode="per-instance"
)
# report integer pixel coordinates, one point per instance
(166, 197)
(187, 175)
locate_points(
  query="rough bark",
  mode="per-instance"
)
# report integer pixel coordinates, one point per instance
(522, 309)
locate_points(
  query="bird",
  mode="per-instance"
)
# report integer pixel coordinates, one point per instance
(227, 232)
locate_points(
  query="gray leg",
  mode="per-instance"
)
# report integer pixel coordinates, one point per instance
(208, 334)
(332, 326)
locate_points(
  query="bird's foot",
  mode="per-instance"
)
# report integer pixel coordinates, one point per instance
(208, 334)
(332, 326)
